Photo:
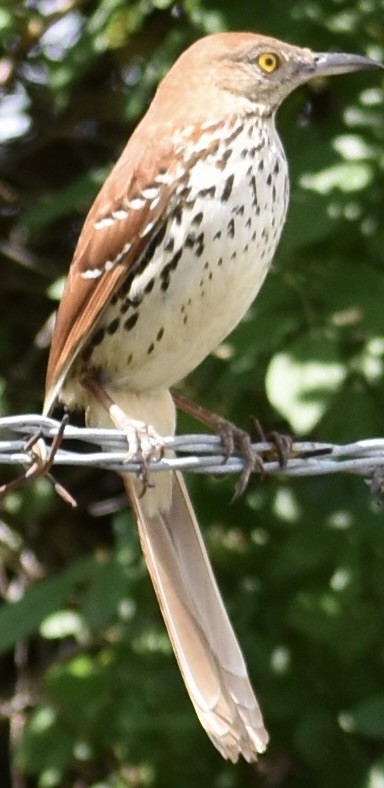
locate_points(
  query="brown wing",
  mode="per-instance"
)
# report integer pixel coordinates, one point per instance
(125, 216)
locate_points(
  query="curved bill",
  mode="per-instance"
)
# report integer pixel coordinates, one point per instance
(329, 63)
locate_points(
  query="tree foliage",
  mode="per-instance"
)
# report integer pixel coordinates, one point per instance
(91, 695)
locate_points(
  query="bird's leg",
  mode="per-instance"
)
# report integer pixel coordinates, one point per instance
(232, 438)
(143, 440)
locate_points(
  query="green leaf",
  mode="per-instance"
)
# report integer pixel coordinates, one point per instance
(46, 747)
(348, 630)
(367, 718)
(75, 196)
(64, 623)
(375, 777)
(107, 594)
(20, 619)
(346, 176)
(302, 381)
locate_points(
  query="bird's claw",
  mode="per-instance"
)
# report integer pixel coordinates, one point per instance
(144, 443)
(235, 439)
(281, 445)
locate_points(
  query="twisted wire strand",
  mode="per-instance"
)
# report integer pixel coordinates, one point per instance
(204, 454)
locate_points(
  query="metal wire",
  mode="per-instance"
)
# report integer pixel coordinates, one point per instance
(107, 449)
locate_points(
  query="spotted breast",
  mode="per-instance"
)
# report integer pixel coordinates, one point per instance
(206, 261)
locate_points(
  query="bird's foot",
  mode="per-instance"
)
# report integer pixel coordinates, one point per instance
(143, 440)
(233, 439)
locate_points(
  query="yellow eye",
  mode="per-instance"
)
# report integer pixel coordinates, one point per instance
(268, 62)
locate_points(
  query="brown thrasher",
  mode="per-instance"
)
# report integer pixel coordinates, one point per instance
(172, 253)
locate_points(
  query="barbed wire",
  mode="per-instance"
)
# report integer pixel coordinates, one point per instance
(204, 454)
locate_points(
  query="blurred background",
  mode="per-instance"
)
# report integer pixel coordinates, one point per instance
(90, 694)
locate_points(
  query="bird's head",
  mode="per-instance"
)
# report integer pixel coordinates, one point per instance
(224, 70)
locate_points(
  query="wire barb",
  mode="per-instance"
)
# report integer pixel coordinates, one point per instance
(107, 449)
(41, 462)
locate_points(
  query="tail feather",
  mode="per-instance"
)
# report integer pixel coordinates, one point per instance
(202, 637)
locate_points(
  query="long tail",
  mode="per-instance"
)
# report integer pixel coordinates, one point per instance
(201, 634)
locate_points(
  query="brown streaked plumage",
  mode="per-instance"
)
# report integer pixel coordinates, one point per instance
(172, 253)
